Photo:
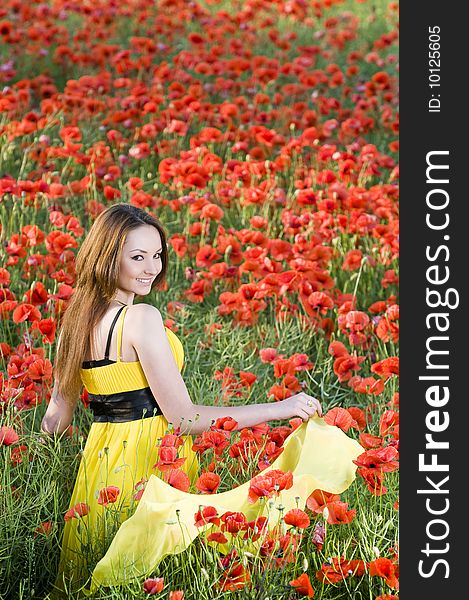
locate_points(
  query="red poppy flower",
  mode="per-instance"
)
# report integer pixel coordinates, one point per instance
(39, 295)
(377, 307)
(153, 586)
(392, 312)
(45, 528)
(172, 439)
(301, 362)
(111, 193)
(388, 423)
(386, 367)
(176, 595)
(333, 572)
(224, 424)
(284, 366)
(217, 537)
(356, 320)
(8, 436)
(57, 242)
(370, 441)
(366, 385)
(47, 328)
(168, 459)
(208, 483)
(246, 449)
(40, 369)
(341, 418)
(26, 312)
(6, 28)
(208, 514)
(381, 458)
(381, 79)
(235, 578)
(343, 365)
(179, 480)
(303, 585)
(108, 495)
(296, 422)
(374, 480)
(339, 569)
(70, 133)
(266, 484)
(139, 487)
(385, 568)
(279, 434)
(337, 349)
(206, 256)
(352, 260)
(268, 546)
(255, 528)
(338, 514)
(387, 330)
(320, 303)
(356, 567)
(233, 522)
(18, 453)
(358, 416)
(317, 501)
(134, 183)
(211, 439)
(297, 517)
(78, 510)
(271, 453)
(268, 355)
(212, 212)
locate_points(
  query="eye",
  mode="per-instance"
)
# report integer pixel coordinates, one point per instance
(158, 254)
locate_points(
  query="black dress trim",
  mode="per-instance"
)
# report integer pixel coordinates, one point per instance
(124, 406)
(90, 364)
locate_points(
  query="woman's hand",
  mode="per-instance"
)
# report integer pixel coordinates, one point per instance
(300, 405)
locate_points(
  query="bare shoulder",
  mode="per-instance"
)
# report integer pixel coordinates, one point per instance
(143, 310)
(142, 319)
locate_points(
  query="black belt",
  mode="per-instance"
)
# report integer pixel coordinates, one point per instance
(124, 406)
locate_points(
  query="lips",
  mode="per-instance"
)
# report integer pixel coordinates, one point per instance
(144, 281)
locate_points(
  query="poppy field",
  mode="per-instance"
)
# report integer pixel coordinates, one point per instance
(263, 134)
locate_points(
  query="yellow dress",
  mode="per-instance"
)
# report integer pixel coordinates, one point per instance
(318, 455)
(119, 453)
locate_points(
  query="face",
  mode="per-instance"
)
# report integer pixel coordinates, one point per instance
(140, 260)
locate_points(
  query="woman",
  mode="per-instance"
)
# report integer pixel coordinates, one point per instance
(130, 364)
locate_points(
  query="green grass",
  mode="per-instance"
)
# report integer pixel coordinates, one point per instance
(38, 490)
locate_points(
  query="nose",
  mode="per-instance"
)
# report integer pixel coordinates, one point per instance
(151, 270)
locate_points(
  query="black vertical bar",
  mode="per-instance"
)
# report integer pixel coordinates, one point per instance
(433, 528)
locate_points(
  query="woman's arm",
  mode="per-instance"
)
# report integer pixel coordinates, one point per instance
(253, 414)
(148, 337)
(58, 415)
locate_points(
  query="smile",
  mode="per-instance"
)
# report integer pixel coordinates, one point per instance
(144, 280)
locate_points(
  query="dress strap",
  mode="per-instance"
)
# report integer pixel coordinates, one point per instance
(108, 344)
(120, 327)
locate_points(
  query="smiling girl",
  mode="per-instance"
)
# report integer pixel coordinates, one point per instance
(130, 365)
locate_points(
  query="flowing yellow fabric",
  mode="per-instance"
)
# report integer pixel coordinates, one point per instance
(130, 537)
(319, 456)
